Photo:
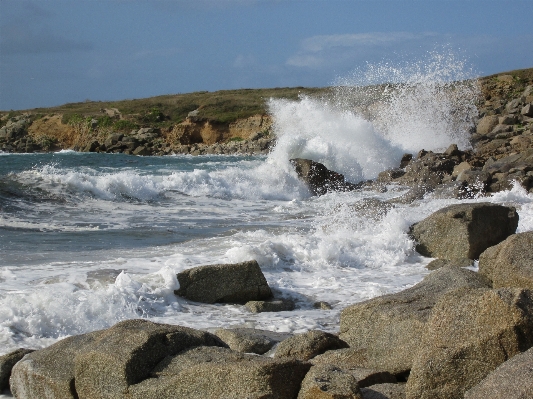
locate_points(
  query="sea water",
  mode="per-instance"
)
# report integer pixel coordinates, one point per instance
(88, 240)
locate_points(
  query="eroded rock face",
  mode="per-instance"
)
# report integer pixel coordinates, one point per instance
(308, 345)
(7, 362)
(511, 380)
(469, 334)
(510, 263)
(102, 364)
(464, 230)
(384, 333)
(234, 283)
(210, 372)
(329, 382)
(250, 340)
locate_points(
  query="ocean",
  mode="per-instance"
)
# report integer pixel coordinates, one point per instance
(87, 240)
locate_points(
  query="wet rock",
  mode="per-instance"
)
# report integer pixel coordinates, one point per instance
(464, 230)
(235, 283)
(510, 263)
(469, 334)
(322, 305)
(406, 158)
(384, 391)
(272, 305)
(250, 340)
(383, 333)
(511, 380)
(308, 345)
(209, 372)
(7, 362)
(329, 382)
(319, 179)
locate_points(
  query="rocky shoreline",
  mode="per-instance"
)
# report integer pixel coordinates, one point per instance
(456, 334)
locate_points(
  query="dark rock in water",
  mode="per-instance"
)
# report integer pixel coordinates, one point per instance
(438, 263)
(7, 362)
(272, 305)
(469, 334)
(510, 263)
(329, 382)
(233, 283)
(322, 305)
(250, 340)
(210, 372)
(320, 179)
(388, 175)
(383, 333)
(384, 391)
(406, 158)
(464, 230)
(371, 208)
(308, 345)
(511, 380)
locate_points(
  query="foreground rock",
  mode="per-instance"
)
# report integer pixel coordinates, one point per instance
(250, 340)
(308, 345)
(210, 372)
(319, 179)
(102, 364)
(7, 362)
(234, 283)
(510, 263)
(464, 230)
(511, 380)
(384, 391)
(384, 333)
(329, 382)
(469, 334)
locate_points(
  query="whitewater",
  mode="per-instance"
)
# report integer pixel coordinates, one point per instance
(87, 240)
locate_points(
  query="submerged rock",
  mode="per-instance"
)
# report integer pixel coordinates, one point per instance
(234, 283)
(464, 230)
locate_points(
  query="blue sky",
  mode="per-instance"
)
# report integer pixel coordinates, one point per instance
(58, 51)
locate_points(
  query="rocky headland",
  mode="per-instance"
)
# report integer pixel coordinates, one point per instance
(456, 334)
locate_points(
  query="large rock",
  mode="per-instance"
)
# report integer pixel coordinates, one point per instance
(510, 263)
(49, 373)
(384, 391)
(308, 345)
(319, 179)
(237, 283)
(329, 382)
(469, 334)
(209, 372)
(250, 340)
(464, 230)
(102, 364)
(7, 362)
(384, 332)
(486, 124)
(511, 380)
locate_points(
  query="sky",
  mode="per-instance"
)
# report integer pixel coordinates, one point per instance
(54, 52)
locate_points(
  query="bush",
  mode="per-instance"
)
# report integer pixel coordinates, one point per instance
(124, 125)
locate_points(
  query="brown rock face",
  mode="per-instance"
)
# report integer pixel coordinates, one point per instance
(384, 333)
(329, 382)
(308, 345)
(510, 263)
(511, 380)
(236, 283)
(469, 334)
(464, 230)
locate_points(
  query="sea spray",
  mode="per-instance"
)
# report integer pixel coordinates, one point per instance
(364, 127)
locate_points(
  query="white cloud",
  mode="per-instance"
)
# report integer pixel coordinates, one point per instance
(329, 50)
